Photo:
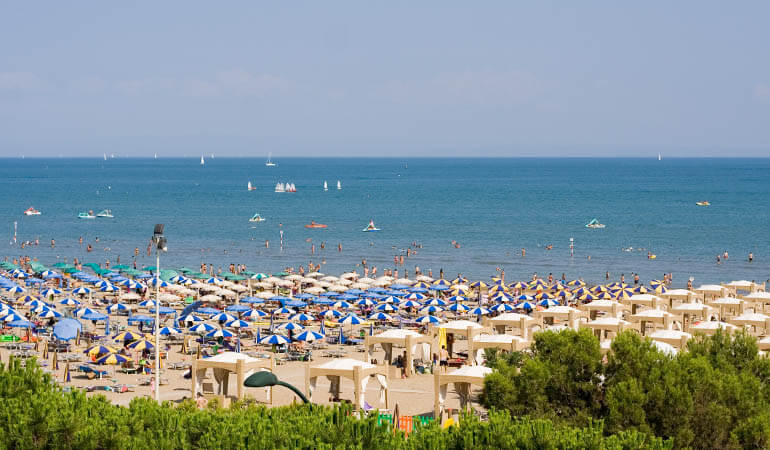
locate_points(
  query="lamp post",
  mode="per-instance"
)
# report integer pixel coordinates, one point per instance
(160, 245)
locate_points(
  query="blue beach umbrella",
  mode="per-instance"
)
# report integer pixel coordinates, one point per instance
(237, 324)
(284, 310)
(166, 331)
(529, 306)
(330, 314)
(157, 282)
(206, 310)
(380, 316)
(350, 319)
(386, 307)
(190, 318)
(435, 302)
(254, 314)
(202, 327)
(69, 302)
(365, 302)
(414, 296)
(459, 308)
(219, 333)
(223, 317)
(309, 336)
(81, 290)
(502, 307)
(479, 311)
(49, 292)
(302, 317)
(150, 303)
(13, 317)
(548, 302)
(117, 307)
(50, 314)
(341, 304)
(430, 309)
(410, 304)
(291, 326)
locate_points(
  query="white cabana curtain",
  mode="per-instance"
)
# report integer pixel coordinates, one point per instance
(335, 386)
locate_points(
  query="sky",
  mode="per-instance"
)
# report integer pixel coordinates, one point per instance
(396, 78)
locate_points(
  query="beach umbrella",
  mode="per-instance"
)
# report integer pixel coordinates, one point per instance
(291, 326)
(457, 298)
(81, 290)
(148, 304)
(350, 319)
(410, 304)
(302, 317)
(414, 296)
(82, 311)
(330, 314)
(386, 307)
(502, 297)
(237, 324)
(19, 324)
(341, 304)
(219, 333)
(502, 307)
(479, 311)
(99, 350)
(48, 313)
(252, 300)
(69, 302)
(435, 302)
(108, 288)
(142, 344)
(380, 316)
(116, 307)
(274, 339)
(284, 310)
(543, 296)
(223, 317)
(390, 299)
(16, 289)
(30, 301)
(202, 328)
(254, 314)
(157, 282)
(113, 359)
(526, 305)
(309, 336)
(430, 309)
(459, 308)
(13, 317)
(127, 336)
(206, 310)
(366, 302)
(640, 290)
(215, 280)
(428, 319)
(165, 331)
(190, 318)
(548, 302)
(49, 292)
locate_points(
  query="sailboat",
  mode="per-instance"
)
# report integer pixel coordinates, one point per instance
(326, 187)
(269, 163)
(339, 185)
(156, 156)
(202, 161)
(280, 187)
(658, 156)
(251, 188)
(105, 156)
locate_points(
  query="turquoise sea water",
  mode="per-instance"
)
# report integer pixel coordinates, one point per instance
(492, 207)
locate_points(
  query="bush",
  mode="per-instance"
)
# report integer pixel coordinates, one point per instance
(36, 414)
(715, 395)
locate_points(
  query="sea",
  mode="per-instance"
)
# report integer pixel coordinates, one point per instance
(457, 216)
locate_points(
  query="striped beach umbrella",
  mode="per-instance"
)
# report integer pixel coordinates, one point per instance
(49, 292)
(529, 306)
(502, 298)
(113, 359)
(82, 311)
(548, 302)
(386, 307)
(341, 304)
(150, 303)
(330, 314)
(410, 304)
(82, 290)
(15, 289)
(479, 311)
(142, 344)
(309, 336)
(190, 318)
(428, 319)
(284, 310)
(219, 333)
(302, 317)
(128, 336)
(202, 327)
(223, 317)
(435, 302)
(99, 350)
(48, 313)
(117, 307)
(479, 285)
(502, 307)
(157, 282)
(380, 316)
(237, 324)
(274, 339)
(350, 319)
(166, 331)
(253, 314)
(414, 296)
(459, 308)
(366, 302)
(291, 326)
(13, 317)
(69, 302)
(430, 309)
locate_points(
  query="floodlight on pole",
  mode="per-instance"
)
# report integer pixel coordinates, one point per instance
(160, 246)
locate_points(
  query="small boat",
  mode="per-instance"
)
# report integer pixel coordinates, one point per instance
(269, 163)
(257, 218)
(290, 187)
(105, 157)
(106, 213)
(202, 161)
(312, 224)
(658, 156)
(86, 215)
(339, 185)
(326, 186)
(31, 212)
(370, 227)
(251, 188)
(594, 224)
(280, 187)
(703, 203)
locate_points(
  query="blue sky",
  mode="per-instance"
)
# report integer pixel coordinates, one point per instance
(444, 78)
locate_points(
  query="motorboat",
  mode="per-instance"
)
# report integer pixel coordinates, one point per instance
(326, 186)
(269, 163)
(703, 203)
(86, 215)
(312, 224)
(257, 218)
(594, 224)
(370, 227)
(106, 213)
(31, 212)
(251, 188)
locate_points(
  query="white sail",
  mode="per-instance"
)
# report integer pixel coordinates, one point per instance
(279, 187)
(105, 157)
(326, 187)
(156, 156)
(339, 185)
(658, 156)
(249, 185)
(202, 161)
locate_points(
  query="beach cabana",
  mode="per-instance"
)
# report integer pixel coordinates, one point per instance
(522, 322)
(711, 291)
(357, 371)
(728, 305)
(459, 327)
(683, 295)
(755, 320)
(415, 345)
(606, 327)
(711, 326)
(223, 365)
(643, 300)
(675, 338)
(462, 378)
(693, 312)
(505, 342)
(610, 307)
(759, 298)
(564, 313)
(656, 317)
